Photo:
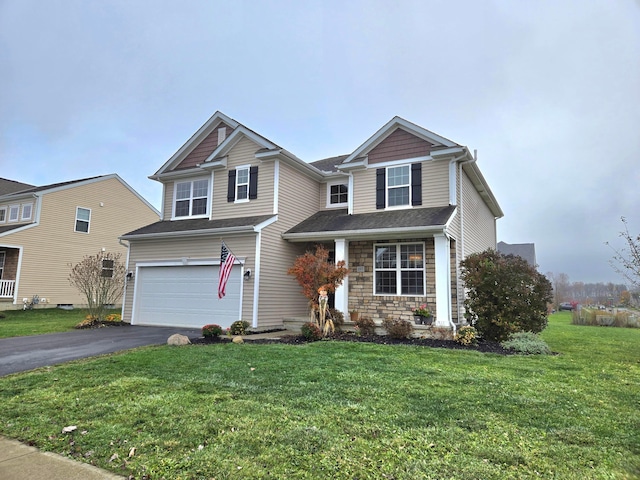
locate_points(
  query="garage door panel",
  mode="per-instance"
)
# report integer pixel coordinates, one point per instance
(185, 296)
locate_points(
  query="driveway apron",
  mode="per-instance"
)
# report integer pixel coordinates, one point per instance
(19, 354)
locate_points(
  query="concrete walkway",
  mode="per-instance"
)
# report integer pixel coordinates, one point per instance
(22, 462)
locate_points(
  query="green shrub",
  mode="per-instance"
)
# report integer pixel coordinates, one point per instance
(211, 331)
(366, 325)
(466, 335)
(397, 328)
(239, 327)
(311, 331)
(338, 318)
(527, 343)
(505, 295)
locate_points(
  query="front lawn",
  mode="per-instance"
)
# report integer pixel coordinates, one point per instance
(343, 410)
(18, 323)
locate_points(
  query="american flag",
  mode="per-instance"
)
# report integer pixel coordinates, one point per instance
(227, 260)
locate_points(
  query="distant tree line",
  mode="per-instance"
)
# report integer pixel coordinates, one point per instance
(600, 293)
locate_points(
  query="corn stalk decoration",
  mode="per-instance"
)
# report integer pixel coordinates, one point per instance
(318, 277)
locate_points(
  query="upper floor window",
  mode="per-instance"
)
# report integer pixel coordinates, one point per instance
(13, 213)
(83, 217)
(399, 269)
(192, 198)
(399, 186)
(27, 210)
(338, 194)
(243, 184)
(3, 214)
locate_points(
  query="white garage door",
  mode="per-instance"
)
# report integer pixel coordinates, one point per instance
(185, 296)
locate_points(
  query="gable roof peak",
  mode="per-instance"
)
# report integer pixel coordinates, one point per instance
(390, 127)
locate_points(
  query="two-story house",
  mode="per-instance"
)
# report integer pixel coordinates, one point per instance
(402, 210)
(45, 230)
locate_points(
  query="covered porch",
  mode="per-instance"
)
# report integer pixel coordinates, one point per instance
(9, 261)
(397, 260)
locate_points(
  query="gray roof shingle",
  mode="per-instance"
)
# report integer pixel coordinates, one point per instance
(329, 221)
(197, 224)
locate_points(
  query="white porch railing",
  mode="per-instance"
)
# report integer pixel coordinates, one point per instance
(6, 288)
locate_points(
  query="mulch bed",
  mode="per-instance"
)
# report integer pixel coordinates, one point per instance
(481, 346)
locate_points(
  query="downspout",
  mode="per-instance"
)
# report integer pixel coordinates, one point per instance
(126, 279)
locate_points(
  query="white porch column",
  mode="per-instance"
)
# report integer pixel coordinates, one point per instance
(342, 295)
(443, 280)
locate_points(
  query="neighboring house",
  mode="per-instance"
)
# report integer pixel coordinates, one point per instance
(524, 250)
(402, 210)
(10, 186)
(44, 230)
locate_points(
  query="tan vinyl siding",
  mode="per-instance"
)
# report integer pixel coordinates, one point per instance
(479, 225)
(278, 255)
(435, 187)
(364, 191)
(193, 248)
(168, 201)
(52, 246)
(243, 153)
(435, 184)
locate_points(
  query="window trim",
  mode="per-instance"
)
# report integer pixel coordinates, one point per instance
(398, 269)
(22, 217)
(238, 184)
(333, 184)
(75, 224)
(3, 259)
(191, 199)
(387, 188)
(6, 212)
(17, 210)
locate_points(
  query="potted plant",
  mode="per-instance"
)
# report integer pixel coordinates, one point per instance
(422, 315)
(353, 315)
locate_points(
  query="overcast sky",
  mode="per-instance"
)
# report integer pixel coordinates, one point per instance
(548, 92)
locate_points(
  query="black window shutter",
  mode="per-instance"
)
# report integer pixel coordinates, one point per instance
(416, 184)
(253, 183)
(231, 188)
(380, 188)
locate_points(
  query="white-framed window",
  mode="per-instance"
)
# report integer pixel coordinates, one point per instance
(242, 184)
(27, 211)
(399, 269)
(2, 257)
(337, 194)
(107, 268)
(14, 210)
(399, 186)
(83, 218)
(191, 198)
(3, 214)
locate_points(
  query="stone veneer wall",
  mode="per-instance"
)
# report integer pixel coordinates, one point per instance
(379, 307)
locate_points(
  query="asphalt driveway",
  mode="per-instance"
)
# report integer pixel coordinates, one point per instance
(19, 354)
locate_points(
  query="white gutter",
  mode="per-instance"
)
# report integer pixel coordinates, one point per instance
(194, 233)
(362, 234)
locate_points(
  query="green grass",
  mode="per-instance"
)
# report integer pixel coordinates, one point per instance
(18, 323)
(344, 410)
